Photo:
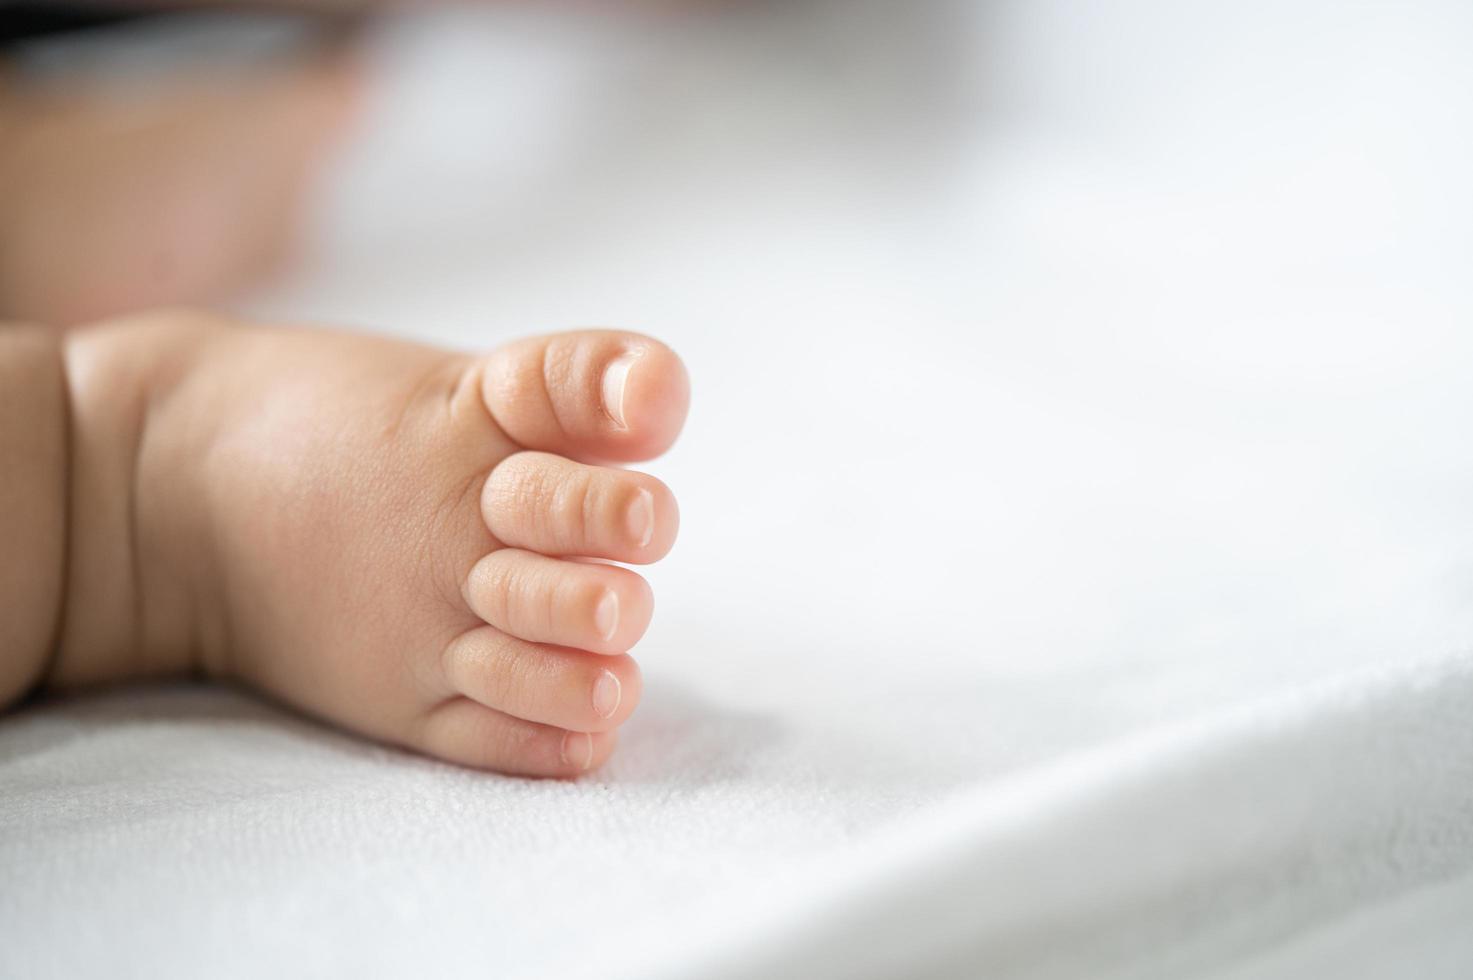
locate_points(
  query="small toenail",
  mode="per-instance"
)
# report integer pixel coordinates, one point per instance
(616, 377)
(606, 614)
(606, 694)
(641, 518)
(578, 749)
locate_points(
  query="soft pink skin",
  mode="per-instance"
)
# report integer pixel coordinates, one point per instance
(379, 533)
(126, 196)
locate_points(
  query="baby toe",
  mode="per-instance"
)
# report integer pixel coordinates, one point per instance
(600, 608)
(469, 733)
(549, 685)
(549, 504)
(591, 394)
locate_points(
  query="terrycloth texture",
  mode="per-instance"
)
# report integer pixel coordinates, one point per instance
(1076, 573)
(175, 833)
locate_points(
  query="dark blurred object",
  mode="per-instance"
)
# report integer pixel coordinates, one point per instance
(23, 21)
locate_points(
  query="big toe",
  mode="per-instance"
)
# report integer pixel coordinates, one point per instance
(591, 394)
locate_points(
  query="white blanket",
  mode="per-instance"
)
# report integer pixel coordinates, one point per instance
(1076, 572)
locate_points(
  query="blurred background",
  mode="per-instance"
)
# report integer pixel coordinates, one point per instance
(1061, 370)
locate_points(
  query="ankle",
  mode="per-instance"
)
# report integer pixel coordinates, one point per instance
(33, 490)
(130, 610)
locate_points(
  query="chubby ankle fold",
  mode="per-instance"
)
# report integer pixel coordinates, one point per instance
(33, 504)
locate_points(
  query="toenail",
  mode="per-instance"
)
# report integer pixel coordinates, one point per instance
(578, 749)
(616, 377)
(606, 614)
(641, 518)
(606, 695)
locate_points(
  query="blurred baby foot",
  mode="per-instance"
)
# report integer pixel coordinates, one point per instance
(124, 196)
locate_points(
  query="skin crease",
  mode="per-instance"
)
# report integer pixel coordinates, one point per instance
(311, 515)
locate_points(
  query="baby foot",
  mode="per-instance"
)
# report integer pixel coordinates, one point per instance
(411, 543)
(120, 197)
